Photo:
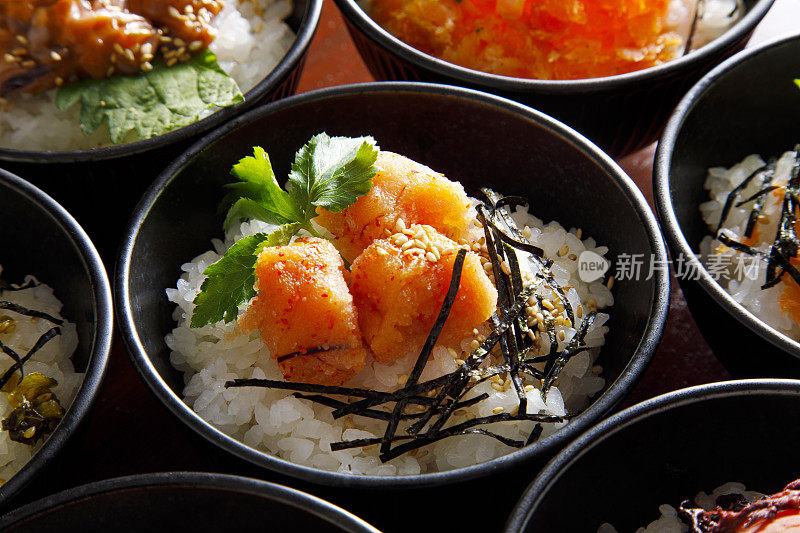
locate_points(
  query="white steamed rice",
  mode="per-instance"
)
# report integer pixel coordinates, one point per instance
(53, 360)
(737, 272)
(251, 40)
(669, 522)
(300, 431)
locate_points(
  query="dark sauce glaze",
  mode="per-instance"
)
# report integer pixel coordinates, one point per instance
(735, 514)
(49, 43)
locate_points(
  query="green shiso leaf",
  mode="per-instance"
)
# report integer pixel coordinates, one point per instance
(329, 172)
(332, 172)
(154, 102)
(230, 282)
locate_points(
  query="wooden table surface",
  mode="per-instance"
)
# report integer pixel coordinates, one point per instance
(130, 432)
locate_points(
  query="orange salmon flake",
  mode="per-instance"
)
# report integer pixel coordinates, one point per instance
(544, 39)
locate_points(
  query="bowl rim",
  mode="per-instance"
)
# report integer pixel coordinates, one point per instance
(602, 404)
(595, 436)
(206, 480)
(293, 59)
(663, 198)
(101, 343)
(357, 17)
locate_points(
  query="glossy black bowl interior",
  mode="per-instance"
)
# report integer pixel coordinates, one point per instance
(747, 105)
(278, 83)
(39, 237)
(455, 131)
(181, 501)
(666, 450)
(620, 113)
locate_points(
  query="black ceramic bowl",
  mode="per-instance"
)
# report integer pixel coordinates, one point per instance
(620, 113)
(39, 237)
(182, 501)
(455, 131)
(704, 132)
(280, 82)
(100, 186)
(666, 450)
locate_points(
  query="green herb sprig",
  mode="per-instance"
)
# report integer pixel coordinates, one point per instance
(328, 172)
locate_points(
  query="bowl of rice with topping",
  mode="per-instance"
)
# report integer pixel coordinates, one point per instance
(405, 315)
(614, 71)
(55, 330)
(723, 187)
(86, 80)
(685, 450)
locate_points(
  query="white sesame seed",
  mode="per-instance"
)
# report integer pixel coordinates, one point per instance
(498, 410)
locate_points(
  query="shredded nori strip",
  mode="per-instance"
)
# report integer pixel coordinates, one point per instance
(693, 27)
(18, 365)
(311, 351)
(440, 398)
(29, 312)
(785, 245)
(433, 336)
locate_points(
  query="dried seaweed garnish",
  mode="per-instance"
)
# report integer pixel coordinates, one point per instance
(785, 245)
(36, 409)
(427, 348)
(29, 312)
(311, 351)
(693, 28)
(437, 400)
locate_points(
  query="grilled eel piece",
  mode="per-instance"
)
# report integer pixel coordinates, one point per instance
(47, 43)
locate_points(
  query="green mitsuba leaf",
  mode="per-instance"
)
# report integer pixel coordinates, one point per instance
(280, 237)
(329, 172)
(257, 193)
(230, 282)
(154, 102)
(332, 172)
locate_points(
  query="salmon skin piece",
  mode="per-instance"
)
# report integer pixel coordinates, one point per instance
(402, 189)
(305, 313)
(399, 290)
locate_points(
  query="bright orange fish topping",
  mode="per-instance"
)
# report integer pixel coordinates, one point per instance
(546, 39)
